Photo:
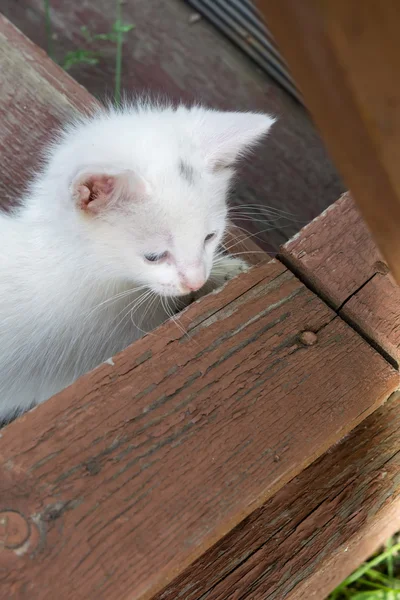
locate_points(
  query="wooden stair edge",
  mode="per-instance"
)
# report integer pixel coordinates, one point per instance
(151, 460)
(318, 540)
(316, 530)
(66, 494)
(336, 255)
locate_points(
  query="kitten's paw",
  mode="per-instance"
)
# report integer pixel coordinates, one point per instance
(228, 268)
(225, 269)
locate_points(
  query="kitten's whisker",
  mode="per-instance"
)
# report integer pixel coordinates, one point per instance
(139, 301)
(136, 301)
(175, 319)
(260, 213)
(116, 297)
(263, 215)
(247, 237)
(149, 301)
(178, 323)
(152, 300)
(218, 260)
(273, 223)
(265, 209)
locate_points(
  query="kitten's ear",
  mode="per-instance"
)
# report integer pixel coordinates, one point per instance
(225, 136)
(94, 191)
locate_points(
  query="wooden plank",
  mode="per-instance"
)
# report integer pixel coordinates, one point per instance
(316, 530)
(137, 469)
(336, 255)
(345, 55)
(324, 523)
(75, 472)
(31, 111)
(289, 171)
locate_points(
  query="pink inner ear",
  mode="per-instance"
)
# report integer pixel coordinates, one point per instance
(94, 192)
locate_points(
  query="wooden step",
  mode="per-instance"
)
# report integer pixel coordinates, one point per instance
(316, 530)
(151, 476)
(335, 254)
(325, 522)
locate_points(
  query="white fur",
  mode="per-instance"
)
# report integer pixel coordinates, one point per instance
(61, 264)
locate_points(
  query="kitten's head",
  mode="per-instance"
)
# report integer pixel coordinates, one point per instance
(149, 185)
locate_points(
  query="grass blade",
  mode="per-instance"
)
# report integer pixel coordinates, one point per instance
(49, 32)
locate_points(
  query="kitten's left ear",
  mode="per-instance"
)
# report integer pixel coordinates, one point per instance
(225, 136)
(94, 191)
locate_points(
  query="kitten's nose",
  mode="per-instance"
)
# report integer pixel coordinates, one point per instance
(193, 282)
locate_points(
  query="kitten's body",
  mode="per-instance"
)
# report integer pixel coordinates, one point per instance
(118, 193)
(55, 321)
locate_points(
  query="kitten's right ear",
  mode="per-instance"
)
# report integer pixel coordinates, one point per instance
(225, 136)
(94, 192)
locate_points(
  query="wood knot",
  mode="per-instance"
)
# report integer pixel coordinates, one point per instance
(308, 338)
(381, 267)
(14, 530)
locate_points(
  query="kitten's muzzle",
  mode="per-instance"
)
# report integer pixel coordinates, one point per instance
(192, 285)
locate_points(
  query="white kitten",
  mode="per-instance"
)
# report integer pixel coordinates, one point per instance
(129, 211)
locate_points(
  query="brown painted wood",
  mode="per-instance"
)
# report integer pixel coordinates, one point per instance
(136, 470)
(345, 55)
(31, 111)
(114, 487)
(307, 538)
(166, 54)
(336, 255)
(316, 530)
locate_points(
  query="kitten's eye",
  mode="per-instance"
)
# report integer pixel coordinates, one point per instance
(156, 257)
(209, 237)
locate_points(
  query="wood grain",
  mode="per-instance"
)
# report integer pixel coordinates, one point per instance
(32, 111)
(345, 56)
(336, 255)
(323, 524)
(117, 485)
(136, 470)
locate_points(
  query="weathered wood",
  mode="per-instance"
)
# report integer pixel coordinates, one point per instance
(31, 111)
(345, 56)
(115, 486)
(311, 535)
(324, 523)
(166, 54)
(335, 254)
(142, 465)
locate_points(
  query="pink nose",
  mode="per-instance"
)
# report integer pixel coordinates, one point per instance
(193, 277)
(194, 284)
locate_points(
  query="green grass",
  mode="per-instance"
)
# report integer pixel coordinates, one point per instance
(80, 56)
(49, 32)
(120, 29)
(377, 579)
